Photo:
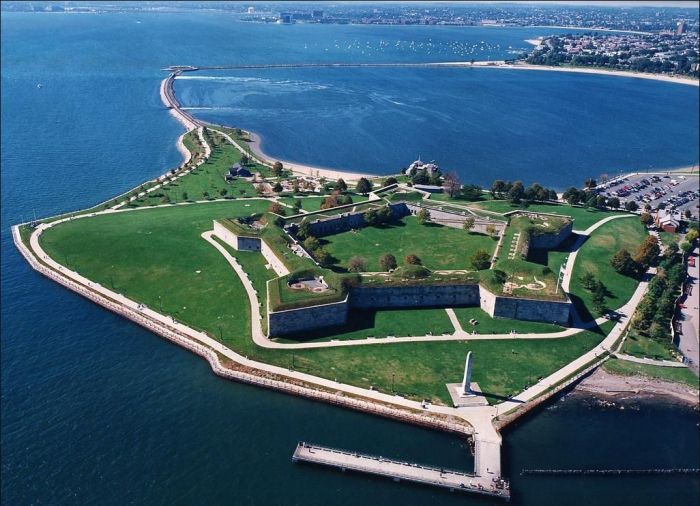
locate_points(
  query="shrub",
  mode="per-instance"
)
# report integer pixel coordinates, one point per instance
(277, 187)
(480, 260)
(413, 272)
(277, 208)
(388, 262)
(277, 168)
(364, 186)
(423, 216)
(412, 260)
(357, 264)
(311, 244)
(499, 276)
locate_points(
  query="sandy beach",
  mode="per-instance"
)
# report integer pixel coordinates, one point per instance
(612, 386)
(618, 73)
(301, 169)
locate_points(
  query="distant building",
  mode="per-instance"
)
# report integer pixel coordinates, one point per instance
(238, 171)
(430, 168)
(680, 27)
(317, 14)
(286, 18)
(251, 10)
(667, 220)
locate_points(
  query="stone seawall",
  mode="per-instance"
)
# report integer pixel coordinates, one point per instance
(455, 219)
(414, 296)
(348, 221)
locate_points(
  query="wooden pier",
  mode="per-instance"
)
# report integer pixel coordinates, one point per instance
(417, 473)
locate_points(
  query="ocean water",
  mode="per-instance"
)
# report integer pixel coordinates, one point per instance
(554, 128)
(96, 410)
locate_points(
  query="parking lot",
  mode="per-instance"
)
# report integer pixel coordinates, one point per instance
(672, 191)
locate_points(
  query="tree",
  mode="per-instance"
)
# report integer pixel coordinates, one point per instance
(631, 205)
(311, 244)
(646, 219)
(452, 184)
(423, 216)
(497, 188)
(468, 224)
(371, 217)
(357, 264)
(277, 168)
(385, 214)
(590, 183)
(688, 214)
(614, 203)
(277, 188)
(223, 192)
(388, 262)
(598, 298)
(389, 181)
(341, 185)
(165, 199)
(297, 206)
(588, 281)
(572, 196)
(516, 192)
(205, 195)
(277, 208)
(304, 229)
(185, 196)
(472, 192)
(363, 186)
(491, 229)
(686, 247)
(480, 260)
(647, 252)
(412, 260)
(322, 256)
(499, 276)
(622, 262)
(245, 160)
(691, 235)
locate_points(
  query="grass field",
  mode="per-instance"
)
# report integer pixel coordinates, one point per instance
(488, 325)
(439, 247)
(594, 257)
(676, 374)
(583, 218)
(642, 346)
(156, 256)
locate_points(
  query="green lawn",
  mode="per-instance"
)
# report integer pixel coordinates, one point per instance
(642, 346)
(156, 256)
(583, 218)
(676, 374)
(488, 325)
(439, 247)
(594, 257)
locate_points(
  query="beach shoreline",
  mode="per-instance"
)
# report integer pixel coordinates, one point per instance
(303, 169)
(612, 386)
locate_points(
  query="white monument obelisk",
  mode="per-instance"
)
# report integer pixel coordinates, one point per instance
(465, 389)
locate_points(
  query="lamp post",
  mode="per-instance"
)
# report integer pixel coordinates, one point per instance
(392, 381)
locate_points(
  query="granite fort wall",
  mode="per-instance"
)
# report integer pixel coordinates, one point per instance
(347, 221)
(551, 241)
(534, 310)
(414, 296)
(237, 242)
(292, 321)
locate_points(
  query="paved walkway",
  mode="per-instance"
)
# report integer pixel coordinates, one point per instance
(688, 343)
(649, 361)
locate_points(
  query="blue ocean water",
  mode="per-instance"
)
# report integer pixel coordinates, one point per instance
(97, 410)
(554, 128)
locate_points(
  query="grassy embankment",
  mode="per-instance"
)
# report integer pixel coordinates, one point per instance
(438, 247)
(594, 257)
(676, 374)
(158, 257)
(583, 218)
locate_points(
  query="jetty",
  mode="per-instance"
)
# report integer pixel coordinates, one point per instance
(396, 470)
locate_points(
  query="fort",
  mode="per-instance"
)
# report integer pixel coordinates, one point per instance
(455, 288)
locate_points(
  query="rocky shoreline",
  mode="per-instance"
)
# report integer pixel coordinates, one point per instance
(604, 384)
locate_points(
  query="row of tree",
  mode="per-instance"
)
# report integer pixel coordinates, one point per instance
(515, 192)
(635, 265)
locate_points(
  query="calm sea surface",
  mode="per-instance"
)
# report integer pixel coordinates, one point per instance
(97, 410)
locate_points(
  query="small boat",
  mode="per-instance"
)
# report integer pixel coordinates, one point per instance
(39, 85)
